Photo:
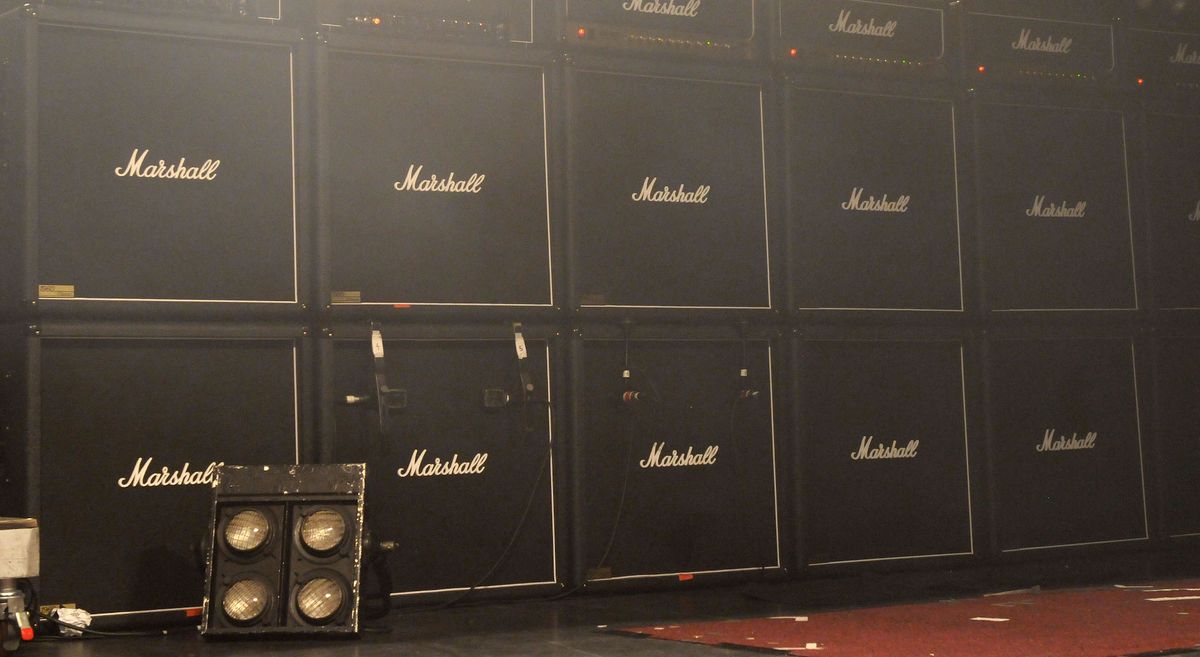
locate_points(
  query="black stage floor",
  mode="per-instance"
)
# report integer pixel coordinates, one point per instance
(569, 627)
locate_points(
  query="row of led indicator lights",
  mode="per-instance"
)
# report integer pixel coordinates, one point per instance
(320, 599)
(583, 33)
(414, 22)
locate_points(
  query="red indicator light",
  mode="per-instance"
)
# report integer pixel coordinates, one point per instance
(582, 32)
(1141, 81)
(686, 577)
(27, 634)
(794, 52)
(193, 612)
(982, 68)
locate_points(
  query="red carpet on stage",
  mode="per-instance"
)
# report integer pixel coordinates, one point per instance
(1103, 622)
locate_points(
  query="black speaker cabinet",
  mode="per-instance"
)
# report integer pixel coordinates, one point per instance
(674, 457)
(461, 464)
(1054, 208)
(873, 210)
(156, 164)
(1065, 443)
(667, 192)
(883, 460)
(1173, 208)
(1177, 415)
(434, 181)
(112, 435)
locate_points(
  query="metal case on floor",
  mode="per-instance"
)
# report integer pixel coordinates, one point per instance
(884, 449)
(674, 455)
(112, 433)
(157, 165)
(462, 462)
(668, 208)
(1065, 441)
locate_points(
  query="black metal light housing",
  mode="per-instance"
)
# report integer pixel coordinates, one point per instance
(285, 556)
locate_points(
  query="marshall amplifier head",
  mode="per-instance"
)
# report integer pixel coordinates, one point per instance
(1164, 62)
(268, 10)
(881, 38)
(478, 22)
(1066, 43)
(725, 29)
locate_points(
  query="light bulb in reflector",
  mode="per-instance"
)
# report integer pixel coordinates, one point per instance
(323, 531)
(246, 600)
(247, 531)
(319, 599)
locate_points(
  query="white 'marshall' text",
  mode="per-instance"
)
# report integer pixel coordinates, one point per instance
(1062, 443)
(894, 451)
(1060, 47)
(417, 467)
(414, 183)
(669, 8)
(142, 477)
(137, 168)
(668, 195)
(1040, 209)
(1182, 56)
(843, 24)
(872, 204)
(677, 460)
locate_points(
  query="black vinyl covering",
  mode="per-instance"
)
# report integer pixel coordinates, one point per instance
(1178, 374)
(1173, 201)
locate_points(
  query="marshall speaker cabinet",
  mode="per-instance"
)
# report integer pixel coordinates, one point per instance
(1065, 443)
(1173, 208)
(456, 428)
(883, 459)
(1015, 42)
(1177, 375)
(434, 181)
(674, 457)
(667, 192)
(112, 435)
(873, 210)
(881, 38)
(727, 29)
(1054, 209)
(154, 163)
(505, 23)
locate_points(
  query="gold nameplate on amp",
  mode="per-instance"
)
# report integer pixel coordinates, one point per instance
(56, 291)
(346, 297)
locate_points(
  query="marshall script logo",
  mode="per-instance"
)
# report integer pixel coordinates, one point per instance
(873, 204)
(1049, 45)
(137, 168)
(413, 182)
(141, 477)
(843, 24)
(868, 453)
(1182, 56)
(1062, 443)
(677, 460)
(417, 467)
(1040, 209)
(668, 8)
(668, 195)
(1195, 216)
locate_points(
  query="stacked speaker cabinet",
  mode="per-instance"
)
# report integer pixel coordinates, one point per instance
(112, 433)
(885, 448)
(1177, 372)
(154, 277)
(1067, 458)
(674, 455)
(457, 427)
(435, 169)
(154, 163)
